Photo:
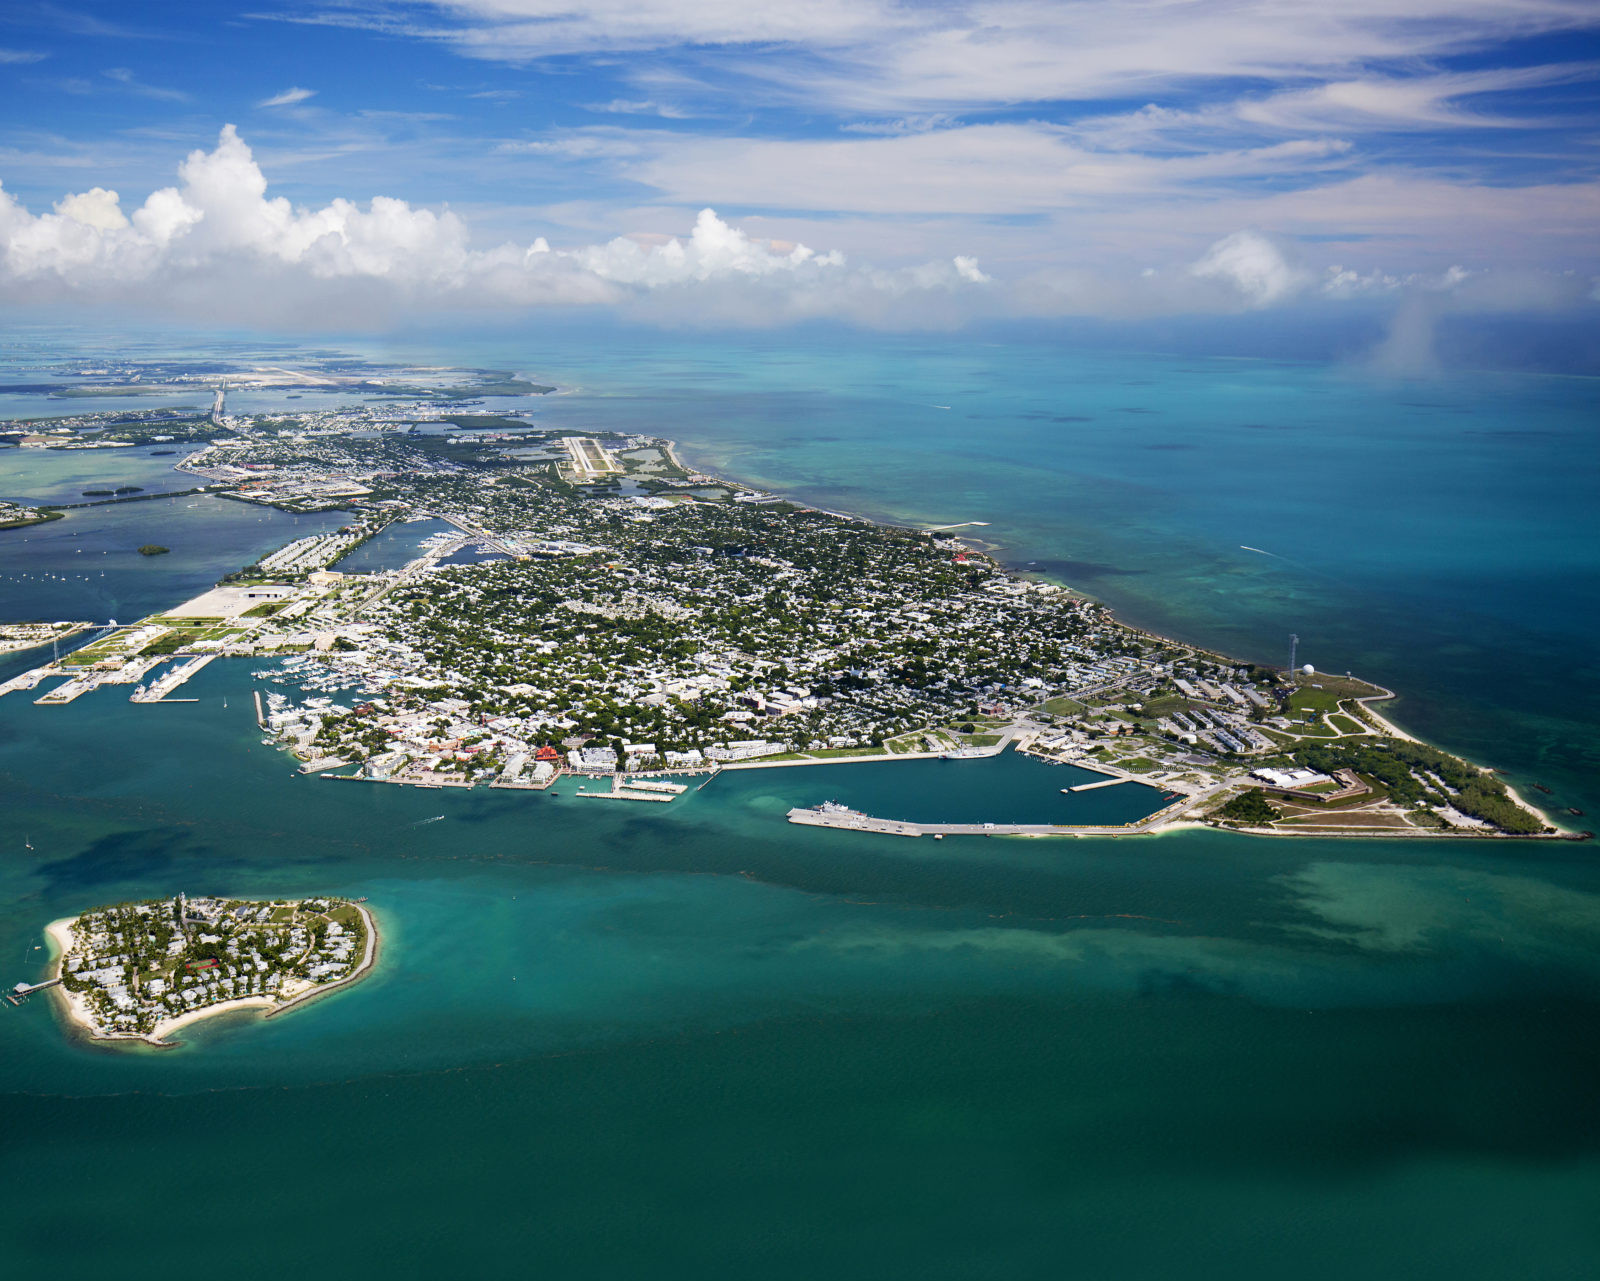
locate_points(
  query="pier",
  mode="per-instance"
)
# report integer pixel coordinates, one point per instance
(1089, 787)
(656, 785)
(514, 779)
(29, 680)
(77, 687)
(837, 816)
(158, 691)
(22, 991)
(623, 789)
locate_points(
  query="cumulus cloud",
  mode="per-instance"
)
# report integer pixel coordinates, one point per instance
(217, 240)
(217, 244)
(1252, 264)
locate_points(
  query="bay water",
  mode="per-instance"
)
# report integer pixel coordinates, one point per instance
(611, 1040)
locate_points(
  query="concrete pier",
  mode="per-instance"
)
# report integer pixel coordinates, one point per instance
(77, 687)
(171, 681)
(852, 821)
(1089, 787)
(29, 680)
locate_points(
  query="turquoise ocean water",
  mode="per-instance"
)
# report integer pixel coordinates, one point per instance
(697, 1041)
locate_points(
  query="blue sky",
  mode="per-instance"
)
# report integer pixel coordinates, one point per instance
(885, 162)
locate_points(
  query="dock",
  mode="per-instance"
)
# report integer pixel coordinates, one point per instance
(158, 691)
(22, 991)
(853, 820)
(628, 794)
(29, 679)
(518, 783)
(624, 789)
(837, 816)
(77, 687)
(1089, 787)
(656, 785)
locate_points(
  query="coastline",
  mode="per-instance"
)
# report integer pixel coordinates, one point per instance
(369, 959)
(70, 1005)
(994, 550)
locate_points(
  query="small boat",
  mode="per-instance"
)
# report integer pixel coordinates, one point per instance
(1540, 787)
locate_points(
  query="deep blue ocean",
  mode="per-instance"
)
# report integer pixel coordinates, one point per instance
(697, 1041)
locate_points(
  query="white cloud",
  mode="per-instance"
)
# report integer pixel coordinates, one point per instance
(886, 56)
(1253, 265)
(18, 57)
(976, 169)
(925, 123)
(124, 77)
(632, 107)
(288, 98)
(218, 240)
(218, 244)
(575, 146)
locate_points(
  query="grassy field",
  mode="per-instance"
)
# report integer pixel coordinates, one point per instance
(1137, 765)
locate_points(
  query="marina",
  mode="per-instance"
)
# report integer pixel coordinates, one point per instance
(624, 789)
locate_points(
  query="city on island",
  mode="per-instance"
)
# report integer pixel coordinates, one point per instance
(140, 971)
(589, 604)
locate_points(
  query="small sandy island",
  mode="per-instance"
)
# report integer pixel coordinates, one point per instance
(139, 972)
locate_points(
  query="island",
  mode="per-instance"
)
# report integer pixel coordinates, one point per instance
(20, 515)
(587, 603)
(15, 636)
(153, 549)
(140, 971)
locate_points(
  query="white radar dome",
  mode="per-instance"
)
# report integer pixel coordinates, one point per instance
(1309, 670)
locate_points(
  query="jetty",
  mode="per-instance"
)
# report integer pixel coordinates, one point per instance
(1089, 787)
